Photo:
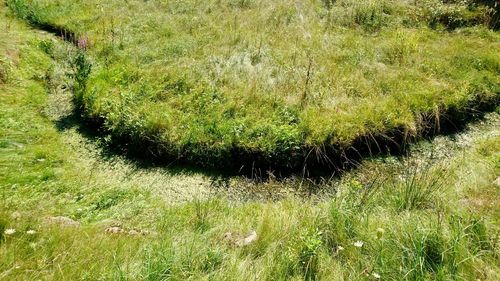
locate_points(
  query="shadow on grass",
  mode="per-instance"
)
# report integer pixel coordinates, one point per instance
(108, 150)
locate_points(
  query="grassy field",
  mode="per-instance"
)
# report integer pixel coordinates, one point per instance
(274, 83)
(430, 216)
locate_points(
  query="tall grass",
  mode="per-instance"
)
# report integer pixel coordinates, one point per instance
(81, 68)
(355, 232)
(222, 81)
(419, 186)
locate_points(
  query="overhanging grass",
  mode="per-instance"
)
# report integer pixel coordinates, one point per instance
(273, 82)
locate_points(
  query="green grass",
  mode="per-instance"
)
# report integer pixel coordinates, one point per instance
(48, 167)
(222, 82)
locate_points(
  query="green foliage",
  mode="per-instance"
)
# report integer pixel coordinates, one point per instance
(158, 262)
(47, 47)
(455, 14)
(328, 3)
(402, 48)
(81, 68)
(24, 10)
(371, 15)
(308, 255)
(241, 4)
(424, 253)
(108, 200)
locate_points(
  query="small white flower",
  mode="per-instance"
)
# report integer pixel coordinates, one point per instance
(31, 232)
(9, 231)
(340, 248)
(376, 275)
(358, 244)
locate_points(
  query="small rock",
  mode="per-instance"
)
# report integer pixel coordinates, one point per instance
(63, 221)
(18, 145)
(114, 230)
(497, 181)
(252, 237)
(133, 232)
(227, 236)
(15, 215)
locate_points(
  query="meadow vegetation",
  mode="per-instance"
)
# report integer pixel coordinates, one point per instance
(431, 215)
(274, 83)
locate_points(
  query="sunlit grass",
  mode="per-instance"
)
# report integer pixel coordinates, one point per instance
(214, 81)
(360, 231)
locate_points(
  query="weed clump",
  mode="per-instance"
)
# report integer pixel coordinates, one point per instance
(455, 14)
(419, 187)
(371, 15)
(81, 68)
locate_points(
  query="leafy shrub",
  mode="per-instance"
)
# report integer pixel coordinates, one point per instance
(453, 14)
(328, 3)
(371, 15)
(81, 68)
(47, 46)
(28, 12)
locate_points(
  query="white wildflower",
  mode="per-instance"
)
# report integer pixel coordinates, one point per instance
(358, 244)
(376, 275)
(9, 231)
(31, 232)
(340, 248)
